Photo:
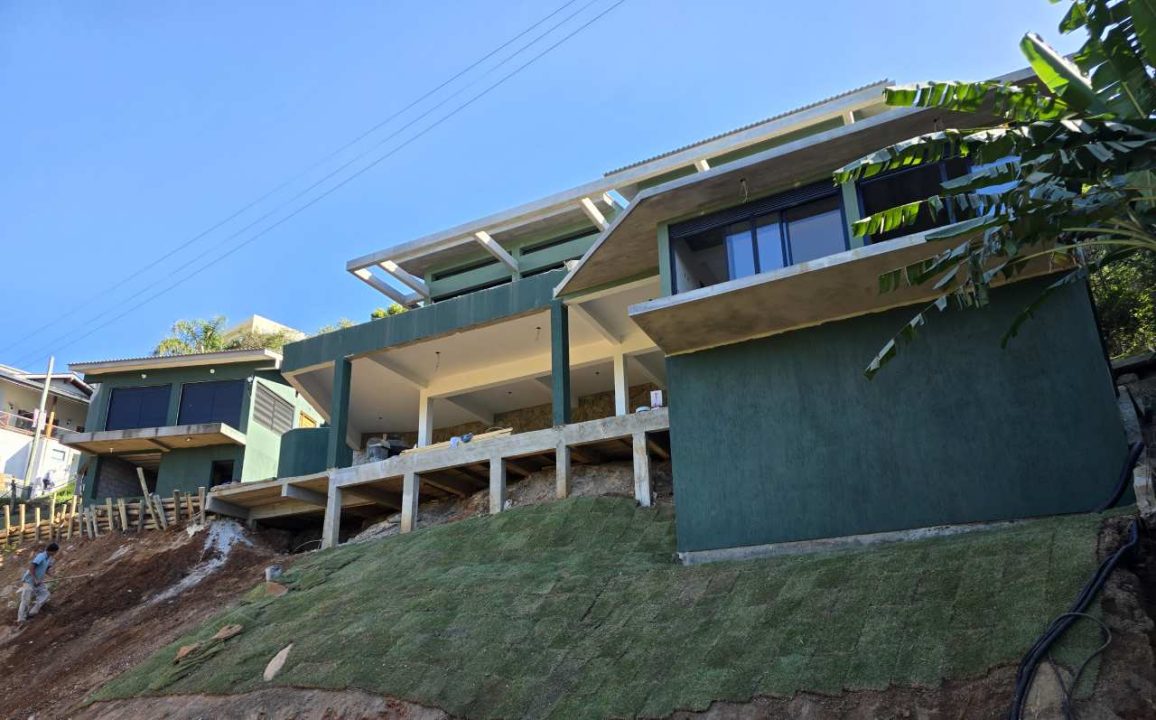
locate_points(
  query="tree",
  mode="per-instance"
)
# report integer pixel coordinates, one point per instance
(1066, 176)
(200, 336)
(193, 336)
(341, 324)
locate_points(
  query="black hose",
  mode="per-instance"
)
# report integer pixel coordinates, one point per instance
(1028, 666)
(1125, 476)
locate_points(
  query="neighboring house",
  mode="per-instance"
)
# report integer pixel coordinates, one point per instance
(723, 272)
(187, 421)
(260, 325)
(66, 408)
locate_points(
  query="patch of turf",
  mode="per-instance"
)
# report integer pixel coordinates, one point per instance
(576, 609)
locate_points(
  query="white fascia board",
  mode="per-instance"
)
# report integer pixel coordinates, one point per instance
(366, 276)
(490, 245)
(225, 357)
(416, 284)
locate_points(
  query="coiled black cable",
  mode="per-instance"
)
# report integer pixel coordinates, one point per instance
(1125, 476)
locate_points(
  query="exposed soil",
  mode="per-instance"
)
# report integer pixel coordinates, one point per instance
(97, 626)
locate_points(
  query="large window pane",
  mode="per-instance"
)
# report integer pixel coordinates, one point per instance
(904, 186)
(769, 238)
(209, 402)
(138, 407)
(740, 251)
(816, 230)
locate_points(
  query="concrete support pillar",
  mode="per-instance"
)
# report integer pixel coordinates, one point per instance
(562, 470)
(424, 418)
(497, 485)
(339, 454)
(641, 470)
(331, 529)
(621, 386)
(410, 492)
(560, 361)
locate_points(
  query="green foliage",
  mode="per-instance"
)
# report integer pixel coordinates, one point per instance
(1064, 182)
(394, 309)
(201, 336)
(575, 609)
(341, 324)
(1125, 295)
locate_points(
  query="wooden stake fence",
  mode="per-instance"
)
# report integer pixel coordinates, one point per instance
(61, 520)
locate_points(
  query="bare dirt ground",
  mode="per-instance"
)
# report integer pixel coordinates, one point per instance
(97, 626)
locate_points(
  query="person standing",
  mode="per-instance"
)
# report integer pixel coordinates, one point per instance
(33, 587)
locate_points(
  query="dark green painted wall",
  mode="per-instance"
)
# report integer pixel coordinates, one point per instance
(303, 451)
(478, 308)
(783, 438)
(190, 469)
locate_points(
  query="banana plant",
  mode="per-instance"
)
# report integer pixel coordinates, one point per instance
(1065, 173)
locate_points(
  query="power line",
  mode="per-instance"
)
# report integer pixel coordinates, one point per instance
(336, 171)
(253, 203)
(347, 180)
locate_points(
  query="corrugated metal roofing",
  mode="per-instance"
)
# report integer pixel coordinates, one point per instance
(60, 385)
(144, 358)
(780, 116)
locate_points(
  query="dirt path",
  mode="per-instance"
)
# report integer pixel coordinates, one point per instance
(96, 627)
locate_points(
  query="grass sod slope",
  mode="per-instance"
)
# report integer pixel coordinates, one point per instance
(575, 609)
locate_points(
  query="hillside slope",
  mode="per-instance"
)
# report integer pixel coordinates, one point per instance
(577, 609)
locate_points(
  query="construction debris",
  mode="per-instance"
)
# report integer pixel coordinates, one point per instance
(277, 663)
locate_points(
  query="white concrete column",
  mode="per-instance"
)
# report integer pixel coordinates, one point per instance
(641, 470)
(621, 386)
(331, 528)
(424, 418)
(562, 470)
(410, 494)
(497, 485)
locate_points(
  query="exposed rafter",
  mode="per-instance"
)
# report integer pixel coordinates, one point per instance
(367, 276)
(701, 165)
(613, 200)
(593, 213)
(304, 495)
(491, 246)
(416, 284)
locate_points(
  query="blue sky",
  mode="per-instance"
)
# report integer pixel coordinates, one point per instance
(130, 127)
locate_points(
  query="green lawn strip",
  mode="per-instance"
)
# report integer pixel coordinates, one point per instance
(575, 609)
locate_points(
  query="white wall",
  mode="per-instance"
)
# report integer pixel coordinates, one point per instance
(57, 461)
(70, 414)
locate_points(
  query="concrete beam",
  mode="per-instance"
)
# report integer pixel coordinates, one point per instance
(475, 409)
(491, 246)
(653, 367)
(377, 495)
(394, 368)
(848, 117)
(497, 485)
(593, 213)
(596, 323)
(452, 485)
(331, 528)
(613, 200)
(411, 491)
(560, 362)
(641, 470)
(221, 507)
(415, 283)
(338, 453)
(701, 165)
(304, 495)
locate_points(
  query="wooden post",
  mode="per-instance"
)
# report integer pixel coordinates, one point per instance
(140, 515)
(164, 523)
(7, 523)
(36, 523)
(189, 512)
(176, 507)
(123, 507)
(108, 511)
(146, 501)
(22, 519)
(71, 515)
(201, 503)
(95, 526)
(51, 515)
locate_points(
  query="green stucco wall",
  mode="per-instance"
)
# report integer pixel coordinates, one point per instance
(783, 438)
(191, 468)
(448, 280)
(477, 308)
(303, 451)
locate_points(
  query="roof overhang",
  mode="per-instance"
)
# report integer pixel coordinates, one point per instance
(154, 439)
(226, 357)
(832, 288)
(629, 247)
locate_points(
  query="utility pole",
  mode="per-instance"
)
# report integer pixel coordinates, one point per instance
(40, 421)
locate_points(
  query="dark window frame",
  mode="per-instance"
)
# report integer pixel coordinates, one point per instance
(750, 213)
(181, 420)
(165, 389)
(943, 177)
